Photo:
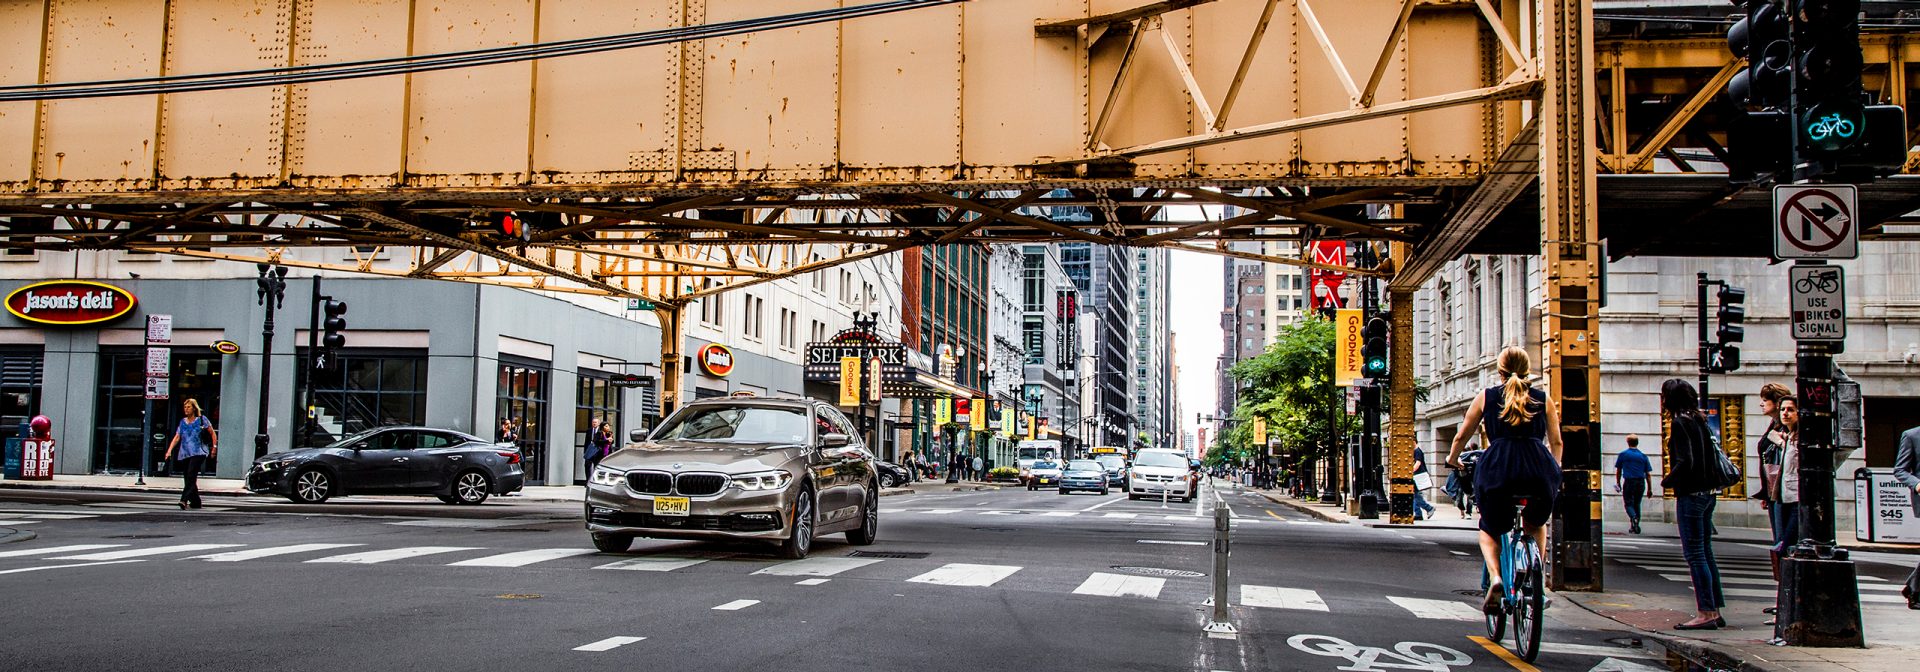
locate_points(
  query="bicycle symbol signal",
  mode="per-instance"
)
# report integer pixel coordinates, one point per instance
(1821, 282)
(1830, 125)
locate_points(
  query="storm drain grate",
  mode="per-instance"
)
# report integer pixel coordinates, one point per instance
(889, 555)
(142, 536)
(1157, 571)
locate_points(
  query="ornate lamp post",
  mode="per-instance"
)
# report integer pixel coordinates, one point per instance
(272, 292)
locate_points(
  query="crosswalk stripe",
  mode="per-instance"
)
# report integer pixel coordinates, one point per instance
(736, 605)
(999, 513)
(653, 563)
(942, 512)
(1120, 585)
(254, 553)
(1120, 515)
(1181, 518)
(608, 644)
(19, 522)
(372, 557)
(54, 516)
(1060, 514)
(1599, 651)
(963, 574)
(1723, 571)
(140, 552)
(1270, 597)
(522, 558)
(817, 566)
(1445, 610)
(57, 549)
(1769, 594)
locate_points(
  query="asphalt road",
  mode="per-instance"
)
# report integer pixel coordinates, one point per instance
(1001, 580)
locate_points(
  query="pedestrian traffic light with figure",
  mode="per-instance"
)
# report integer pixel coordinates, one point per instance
(1732, 313)
(331, 338)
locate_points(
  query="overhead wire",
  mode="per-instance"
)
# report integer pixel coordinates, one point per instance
(305, 74)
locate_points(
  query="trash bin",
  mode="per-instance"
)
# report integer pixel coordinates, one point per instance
(13, 453)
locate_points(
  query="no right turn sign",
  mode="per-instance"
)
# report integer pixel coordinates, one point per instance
(1816, 221)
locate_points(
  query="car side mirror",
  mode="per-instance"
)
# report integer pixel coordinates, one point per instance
(835, 440)
(639, 435)
(359, 446)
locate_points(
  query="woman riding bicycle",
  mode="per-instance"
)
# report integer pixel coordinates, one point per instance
(1522, 460)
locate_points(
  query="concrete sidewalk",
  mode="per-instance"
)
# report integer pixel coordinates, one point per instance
(1893, 634)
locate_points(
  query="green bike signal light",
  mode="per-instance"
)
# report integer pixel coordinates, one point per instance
(1373, 348)
(1833, 126)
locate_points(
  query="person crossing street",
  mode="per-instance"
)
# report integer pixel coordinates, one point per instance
(1630, 472)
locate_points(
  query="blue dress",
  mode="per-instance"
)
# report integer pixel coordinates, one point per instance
(1516, 464)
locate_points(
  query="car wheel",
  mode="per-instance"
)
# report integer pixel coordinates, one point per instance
(800, 538)
(612, 543)
(311, 486)
(472, 487)
(869, 529)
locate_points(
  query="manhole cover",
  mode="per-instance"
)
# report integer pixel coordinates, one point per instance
(890, 555)
(142, 536)
(1157, 571)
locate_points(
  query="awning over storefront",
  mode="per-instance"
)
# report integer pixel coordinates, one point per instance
(906, 374)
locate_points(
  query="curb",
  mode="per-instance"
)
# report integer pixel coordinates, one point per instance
(1400, 526)
(17, 485)
(1718, 657)
(9, 535)
(1299, 506)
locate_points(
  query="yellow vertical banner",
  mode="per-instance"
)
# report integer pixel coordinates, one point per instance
(1346, 345)
(978, 416)
(1260, 432)
(1031, 428)
(942, 411)
(1006, 421)
(849, 381)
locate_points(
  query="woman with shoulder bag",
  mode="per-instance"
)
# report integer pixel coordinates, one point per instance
(1693, 475)
(197, 441)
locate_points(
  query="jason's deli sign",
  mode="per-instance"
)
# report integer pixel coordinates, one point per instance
(69, 302)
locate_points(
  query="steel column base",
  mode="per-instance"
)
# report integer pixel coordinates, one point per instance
(1820, 603)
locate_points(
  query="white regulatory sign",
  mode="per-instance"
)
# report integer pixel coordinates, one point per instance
(1816, 221)
(157, 361)
(160, 329)
(1819, 303)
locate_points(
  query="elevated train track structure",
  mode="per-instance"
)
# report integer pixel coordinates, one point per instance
(671, 149)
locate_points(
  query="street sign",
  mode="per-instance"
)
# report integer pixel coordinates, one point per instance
(1347, 324)
(1818, 302)
(1816, 221)
(157, 388)
(160, 329)
(639, 304)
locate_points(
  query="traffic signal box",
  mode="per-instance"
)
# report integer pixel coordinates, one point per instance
(333, 322)
(1373, 348)
(1732, 315)
(1800, 96)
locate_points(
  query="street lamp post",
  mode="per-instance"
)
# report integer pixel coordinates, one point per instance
(272, 292)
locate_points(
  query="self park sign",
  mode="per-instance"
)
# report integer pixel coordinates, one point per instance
(70, 302)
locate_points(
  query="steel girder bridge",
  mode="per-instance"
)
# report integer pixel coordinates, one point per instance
(672, 149)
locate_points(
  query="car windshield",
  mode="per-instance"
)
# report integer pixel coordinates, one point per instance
(1152, 459)
(1046, 464)
(354, 438)
(1111, 461)
(738, 424)
(1084, 465)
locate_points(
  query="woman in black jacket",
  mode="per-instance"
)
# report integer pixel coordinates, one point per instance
(1691, 466)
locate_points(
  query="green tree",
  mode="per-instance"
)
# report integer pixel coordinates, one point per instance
(1291, 385)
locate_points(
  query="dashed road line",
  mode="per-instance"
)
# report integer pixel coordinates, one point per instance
(57, 549)
(522, 558)
(816, 566)
(608, 644)
(736, 605)
(375, 557)
(253, 553)
(142, 552)
(1270, 597)
(1120, 585)
(963, 574)
(653, 563)
(1443, 610)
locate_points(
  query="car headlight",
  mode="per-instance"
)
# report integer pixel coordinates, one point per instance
(763, 480)
(269, 465)
(605, 476)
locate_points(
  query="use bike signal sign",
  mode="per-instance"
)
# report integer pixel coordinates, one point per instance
(1819, 302)
(1816, 221)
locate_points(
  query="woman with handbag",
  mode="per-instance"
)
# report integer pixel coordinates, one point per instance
(197, 442)
(1694, 476)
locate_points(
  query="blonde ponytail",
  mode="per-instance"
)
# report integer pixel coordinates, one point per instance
(1518, 390)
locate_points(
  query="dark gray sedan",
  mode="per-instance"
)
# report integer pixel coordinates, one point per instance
(458, 468)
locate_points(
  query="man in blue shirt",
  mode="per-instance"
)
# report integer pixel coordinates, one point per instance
(1630, 472)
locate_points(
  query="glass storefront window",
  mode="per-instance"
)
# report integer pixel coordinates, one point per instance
(522, 397)
(19, 389)
(365, 391)
(122, 398)
(596, 397)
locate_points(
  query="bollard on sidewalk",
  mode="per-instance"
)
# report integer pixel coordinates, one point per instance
(1220, 624)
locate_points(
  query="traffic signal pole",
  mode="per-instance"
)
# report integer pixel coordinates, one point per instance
(1401, 440)
(1819, 584)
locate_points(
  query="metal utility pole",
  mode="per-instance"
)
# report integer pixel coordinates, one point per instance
(1368, 472)
(307, 418)
(272, 293)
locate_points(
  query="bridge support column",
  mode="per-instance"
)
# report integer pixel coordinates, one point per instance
(672, 335)
(1400, 439)
(1570, 251)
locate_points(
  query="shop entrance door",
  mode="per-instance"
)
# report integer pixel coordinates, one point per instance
(121, 400)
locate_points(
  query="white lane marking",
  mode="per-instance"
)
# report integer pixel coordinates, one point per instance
(962, 574)
(1458, 552)
(459, 523)
(1607, 651)
(143, 508)
(1270, 597)
(817, 566)
(942, 512)
(249, 554)
(1723, 571)
(1172, 543)
(886, 510)
(1096, 506)
(1120, 515)
(1198, 501)
(1060, 514)
(999, 513)
(54, 516)
(140, 552)
(653, 563)
(1182, 518)
(1445, 610)
(1305, 522)
(522, 558)
(89, 564)
(608, 644)
(20, 522)
(811, 582)
(82, 513)
(1119, 585)
(57, 549)
(372, 557)
(736, 605)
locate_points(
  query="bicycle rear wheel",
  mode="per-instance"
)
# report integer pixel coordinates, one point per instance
(1527, 614)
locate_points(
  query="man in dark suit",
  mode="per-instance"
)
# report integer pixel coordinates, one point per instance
(1906, 468)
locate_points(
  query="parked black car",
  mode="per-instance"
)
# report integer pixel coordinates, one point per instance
(458, 468)
(892, 475)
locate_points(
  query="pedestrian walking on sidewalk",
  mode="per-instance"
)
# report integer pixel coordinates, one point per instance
(1906, 468)
(599, 443)
(1630, 472)
(1771, 448)
(1692, 474)
(1522, 460)
(979, 467)
(197, 441)
(912, 467)
(1422, 481)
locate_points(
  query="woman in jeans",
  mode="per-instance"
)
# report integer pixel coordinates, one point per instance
(1691, 464)
(197, 441)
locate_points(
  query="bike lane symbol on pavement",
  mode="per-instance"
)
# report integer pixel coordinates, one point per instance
(1403, 656)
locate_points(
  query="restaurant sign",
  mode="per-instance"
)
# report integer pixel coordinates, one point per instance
(70, 302)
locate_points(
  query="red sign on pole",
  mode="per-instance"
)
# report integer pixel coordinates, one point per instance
(1323, 286)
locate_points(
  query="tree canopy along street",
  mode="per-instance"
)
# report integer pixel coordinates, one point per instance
(667, 151)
